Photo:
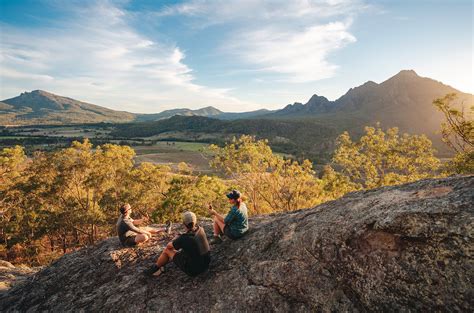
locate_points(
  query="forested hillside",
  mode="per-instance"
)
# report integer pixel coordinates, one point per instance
(302, 138)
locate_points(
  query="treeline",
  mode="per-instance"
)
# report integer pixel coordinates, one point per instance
(54, 202)
(303, 138)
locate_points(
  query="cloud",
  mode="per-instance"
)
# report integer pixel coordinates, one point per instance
(223, 11)
(293, 39)
(300, 56)
(95, 55)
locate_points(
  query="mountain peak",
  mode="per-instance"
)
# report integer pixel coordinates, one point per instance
(369, 83)
(39, 92)
(209, 110)
(41, 106)
(404, 77)
(407, 73)
(316, 98)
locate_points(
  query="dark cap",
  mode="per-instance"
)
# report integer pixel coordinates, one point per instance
(234, 194)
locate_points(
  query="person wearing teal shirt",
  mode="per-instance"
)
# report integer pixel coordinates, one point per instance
(236, 222)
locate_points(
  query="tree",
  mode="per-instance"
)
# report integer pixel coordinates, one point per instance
(12, 165)
(336, 184)
(191, 193)
(145, 188)
(458, 134)
(270, 182)
(384, 158)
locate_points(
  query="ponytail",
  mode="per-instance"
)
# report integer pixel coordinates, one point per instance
(238, 202)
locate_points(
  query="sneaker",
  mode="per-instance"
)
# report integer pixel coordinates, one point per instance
(168, 227)
(216, 240)
(154, 270)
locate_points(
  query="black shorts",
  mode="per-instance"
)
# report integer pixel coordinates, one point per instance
(129, 242)
(228, 233)
(184, 263)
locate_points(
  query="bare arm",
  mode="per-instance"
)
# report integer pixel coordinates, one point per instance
(215, 214)
(133, 228)
(140, 221)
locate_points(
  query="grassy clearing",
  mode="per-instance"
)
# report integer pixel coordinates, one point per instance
(171, 147)
(174, 152)
(63, 131)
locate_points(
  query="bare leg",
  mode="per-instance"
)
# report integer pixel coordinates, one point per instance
(140, 238)
(166, 256)
(218, 225)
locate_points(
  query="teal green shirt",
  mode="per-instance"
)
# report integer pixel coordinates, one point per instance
(237, 220)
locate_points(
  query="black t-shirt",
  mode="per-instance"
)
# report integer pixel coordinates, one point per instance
(194, 244)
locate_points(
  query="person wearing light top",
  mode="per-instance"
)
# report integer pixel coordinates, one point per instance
(235, 224)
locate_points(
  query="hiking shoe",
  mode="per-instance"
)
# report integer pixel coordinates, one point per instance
(154, 270)
(216, 240)
(168, 227)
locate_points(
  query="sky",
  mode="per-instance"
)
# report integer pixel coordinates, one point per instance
(147, 56)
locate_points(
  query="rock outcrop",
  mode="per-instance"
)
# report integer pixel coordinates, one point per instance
(402, 248)
(11, 275)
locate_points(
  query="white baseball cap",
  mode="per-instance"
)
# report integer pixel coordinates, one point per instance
(189, 217)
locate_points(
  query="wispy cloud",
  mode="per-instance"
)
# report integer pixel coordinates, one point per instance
(299, 56)
(97, 56)
(293, 39)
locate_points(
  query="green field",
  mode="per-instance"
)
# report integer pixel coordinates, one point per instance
(171, 146)
(172, 153)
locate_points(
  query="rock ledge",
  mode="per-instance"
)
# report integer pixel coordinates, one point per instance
(395, 248)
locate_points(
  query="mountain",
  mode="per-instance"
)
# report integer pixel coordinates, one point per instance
(304, 130)
(404, 100)
(242, 115)
(41, 107)
(393, 249)
(315, 105)
(207, 111)
(400, 94)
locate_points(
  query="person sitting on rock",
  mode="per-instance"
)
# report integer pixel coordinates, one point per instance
(236, 222)
(128, 233)
(189, 251)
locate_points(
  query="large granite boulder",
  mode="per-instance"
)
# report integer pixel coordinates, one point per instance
(401, 248)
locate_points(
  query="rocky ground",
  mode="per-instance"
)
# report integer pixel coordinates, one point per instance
(403, 248)
(10, 275)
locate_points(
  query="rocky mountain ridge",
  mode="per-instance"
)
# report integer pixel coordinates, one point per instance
(399, 248)
(403, 100)
(406, 89)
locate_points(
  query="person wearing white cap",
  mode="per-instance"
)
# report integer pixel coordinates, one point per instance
(189, 251)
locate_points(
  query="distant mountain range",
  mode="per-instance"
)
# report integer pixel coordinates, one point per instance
(42, 107)
(206, 112)
(404, 100)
